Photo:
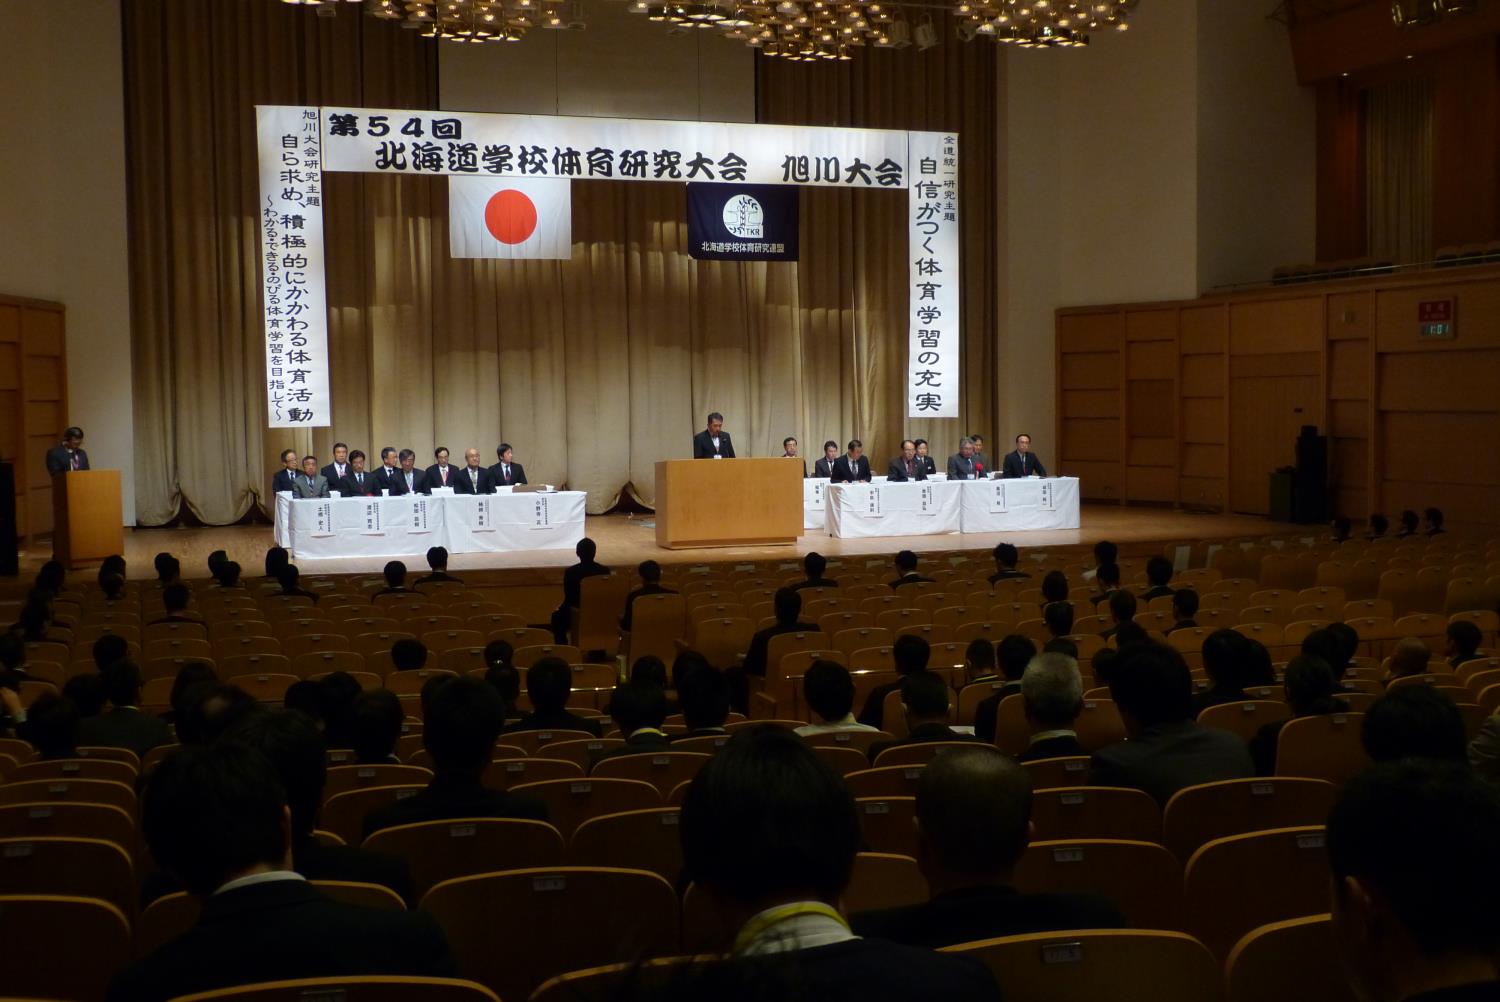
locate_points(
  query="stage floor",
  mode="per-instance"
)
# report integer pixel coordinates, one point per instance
(625, 541)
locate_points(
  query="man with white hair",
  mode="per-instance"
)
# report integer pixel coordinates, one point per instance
(1052, 693)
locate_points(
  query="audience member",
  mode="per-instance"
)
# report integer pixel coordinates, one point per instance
(408, 654)
(587, 567)
(1059, 618)
(1259, 670)
(189, 677)
(51, 725)
(1105, 553)
(650, 574)
(437, 566)
(686, 662)
(463, 720)
(1224, 657)
(906, 571)
(168, 569)
(1158, 574)
(376, 727)
(1433, 519)
(394, 573)
(979, 662)
(650, 668)
(549, 682)
(703, 694)
(124, 725)
(308, 698)
(910, 654)
(1006, 556)
(290, 579)
(1310, 692)
(815, 567)
(175, 599)
(1107, 582)
(87, 693)
(228, 575)
(209, 710)
(1061, 645)
(1128, 633)
(1411, 657)
(1409, 523)
(1014, 653)
(1122, 605)
(787, 603)
(113, 587)
(1348, 641)
(1415, 877)
(217, 819)
(639, 708)
(1414, 721)
(340, 690)
(1464, 638)
(769, 834)
(1166, 749)
(505, 680)
(1054, 587)
(973, 824)
(925, 699)
(828, 689)
(108, 649)
(1342, 528)
(1184, 609)
(1052, 695)
(1379, 525)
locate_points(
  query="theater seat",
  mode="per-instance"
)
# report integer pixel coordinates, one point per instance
(1100, 966)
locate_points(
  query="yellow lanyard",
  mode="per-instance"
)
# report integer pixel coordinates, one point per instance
(649, 730)
(766, 920)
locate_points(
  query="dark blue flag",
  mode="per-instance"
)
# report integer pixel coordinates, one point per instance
(742, 222)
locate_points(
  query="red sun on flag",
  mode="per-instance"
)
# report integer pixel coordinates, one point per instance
(510, 216)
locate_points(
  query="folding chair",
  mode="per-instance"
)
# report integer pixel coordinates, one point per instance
(525, 657)
(1199, 814)
(78, 791)
(1294, 958)
(534, 741)
(1095, 812)
(884, 880)
(1116, 965)
(1246, 717)
(344, 813)
(38, 926)
(443, 850)
(917, 754)
(601, 603)
(343, 778)
(578, 747)
(570, 802)
(504, 773)
(1142, 878)
(842, 758)
(887, 781)
(656, 623)
(636, 840)
(1058, 773)
(858, 740)
(74, 768)
(663, 770)
(1237, 883)
(1326, 746)
(1099, 724)
(102, 822)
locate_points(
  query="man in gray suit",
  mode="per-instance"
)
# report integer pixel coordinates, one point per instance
(311, 483)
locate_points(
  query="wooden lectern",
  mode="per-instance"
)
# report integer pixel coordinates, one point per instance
(86, 516)
(727, 502)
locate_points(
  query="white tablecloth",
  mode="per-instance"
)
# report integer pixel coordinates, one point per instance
(409, 524)
(1016, 505)
(916, 508)
(813, 500)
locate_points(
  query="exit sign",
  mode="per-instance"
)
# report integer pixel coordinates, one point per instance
(1435, 319)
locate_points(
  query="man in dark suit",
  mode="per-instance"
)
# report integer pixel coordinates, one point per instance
(310, 483)
(928, 463)
(1122, 606)
(906, 466)
(388, 478)
(124, 725)
(336, 471)
(650, 574)
(358, 482)
(216, 817)
(1014, 652)
(713, 442)
(473, 478)
(1022, 462)
(815, 565)
(1006, 556)
(549, 682)
(1166, 750)
(962, 465)
(440, 474)
(853, 466)
(906, 571)
(787, 603)
(1158, 573)
(1052, 692)
(1184, 609)
(464, 718)
(175, 599)
(1464, 638)
(909, 655)
(769, 832)
(638, 708)
(437, 564)
(286, 477)
(789, 451)
(824, 466)
(973, 824)
(587, 567)
(69, 456)
(924, 699)
(412, 479)
(395, 579)
(703, 695)
(507, 472)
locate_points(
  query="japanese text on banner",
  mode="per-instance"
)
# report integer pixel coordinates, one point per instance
(932, 243)
(293, 296)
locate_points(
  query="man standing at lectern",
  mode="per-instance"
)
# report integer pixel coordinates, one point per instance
(713, 443)
(69, 456)
(1022, 462)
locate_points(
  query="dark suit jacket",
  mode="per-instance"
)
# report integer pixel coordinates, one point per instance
(922, 735)
(1216, 696)
(1157, 591)
(58, 460)
(912, 578)
(650, 589)
(703, 445)
(823, 468)
(436, 577)
(960, 468)
(873, 713)
(636, 744)
(353, 489)
(1007, 575)
(334, 479)
(897, 470)
(573, 580)
(1061, 746)
(755, 657)
(419, 484)
(1014, 466)
(283, 930)
(988, 710)
(463, 485)
(389, 478)
(517, 475)
(1181, 624)
(283, 481)
(844, 473)
(563, 721)
(930, 462)
(449, 797)
(819, 583)
(974, 913)
(125, 727)
(1165, 759)
(435, 477)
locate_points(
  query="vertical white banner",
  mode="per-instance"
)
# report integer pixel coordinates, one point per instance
(932, 357)
(293, 297)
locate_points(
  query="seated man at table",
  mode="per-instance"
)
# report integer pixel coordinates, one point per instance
(650, 574)
(853, 467)
(814, 565)
(473, 478)
(906, 571)
(1022, 462)
(507, 472)
(929, 465)
(549, 682)
(437, 563)
(413, 479)
(973, 824)
(388, 478)
(925, 699)
(440, 474)
(358, 483)
(963, 465)
(337, 470)
(287, 475)
(310, 483)
(1006, 556)
(824, 466)
(906, 466)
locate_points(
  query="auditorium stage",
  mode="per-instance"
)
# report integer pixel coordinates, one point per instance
(625, 541)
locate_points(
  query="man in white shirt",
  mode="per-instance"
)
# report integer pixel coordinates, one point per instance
(713, 442)
(337, 470)
(440, 474)
(829, 690)
(507, 472)
(473, 478)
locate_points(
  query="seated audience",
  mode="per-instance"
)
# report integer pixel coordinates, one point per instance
(769, 833)
(395, 580)
(1129, 632)
(290, 579)
(906, 571)
(1166, 749)
(124, 724)
(1105, 553)
(1006, 556)
(549, 682)
(1224, 657)
(639, 708)
(815, 567)
(1122, 605)
(216, 819)
(1259, 670)
(1342, 527)
(1014, 654)
(1464, 638)
(1379, 525)
(587, 567)
(787, 603)
(340, 690)
(87, 693)
(925, 699)
(1415, 878)
(217, 559)
(498, 652)
(1158, 574)
(1411, 657)
(228, 575)
(108, 649)
(979, 662)
(1414, 721)
(307, 698)
(210, 710)
(703, 694)
(408, 654)
(505, 680)
(1433, 519)
(168, 569)
(650, 668)
(1061, 645)
(1184, 609)
(189, 677)
(973, 823)
(1409, 523)
(910, 654)
(650, 574)
(685, 662)
(1310, 691)
(437, 565)
(1059, 618)
(276, 558)
(828, 690)
(376, 727)
(1052, 694)
(113, 587)
(464, 717)
(1054, 587)
(51, 725)
(1348, 641)
(1107, 582)
(175, 599)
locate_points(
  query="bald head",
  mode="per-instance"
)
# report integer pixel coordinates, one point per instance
(974, 808)
(1410, 657)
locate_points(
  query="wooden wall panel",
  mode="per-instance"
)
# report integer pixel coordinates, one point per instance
(1204, 461)
(1266, 414)
(1092, 440)
(1152, 411)
(1349, 370)
(1151, 483)
(1151, 360)
(1203, 420)
(1152, 452)
(1440, 381)
(1203, 376)
(1091, 403)
(1093, 371)
(1349, 419)
(1276, 326)
(1351, 315)
(1440, 447)
(1151, 325)
(1081, 332)
(1203, 330)
(1478, 316)
(33, 401)
(1099, 481)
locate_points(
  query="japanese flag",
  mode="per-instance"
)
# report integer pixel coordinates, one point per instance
(514, 217)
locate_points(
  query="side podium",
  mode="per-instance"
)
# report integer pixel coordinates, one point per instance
(729, 502)
(86, 516)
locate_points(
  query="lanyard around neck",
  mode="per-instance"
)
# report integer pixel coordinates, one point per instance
(767, 920)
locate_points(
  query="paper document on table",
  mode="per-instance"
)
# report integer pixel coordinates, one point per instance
(927, 503)
(998, 504)
(541, 512)
(419, 517)
(323, 519)
(370, 519)
(484, 520)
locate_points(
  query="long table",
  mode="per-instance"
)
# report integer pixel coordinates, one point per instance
(409, 524)
(935, 507)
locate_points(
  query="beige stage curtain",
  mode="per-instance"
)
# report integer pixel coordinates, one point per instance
(1398, 170)
(593, 368)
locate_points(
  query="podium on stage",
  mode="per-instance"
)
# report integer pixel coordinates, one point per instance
(727, 502)
(86, 516)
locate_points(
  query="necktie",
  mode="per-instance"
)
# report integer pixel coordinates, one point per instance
(359, 478)
(408, 481)
(309, 482)
(474, 477)
(73, 461)
(507, 472)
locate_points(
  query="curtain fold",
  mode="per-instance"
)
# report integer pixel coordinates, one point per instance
(1398, 168)
(593, 368)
